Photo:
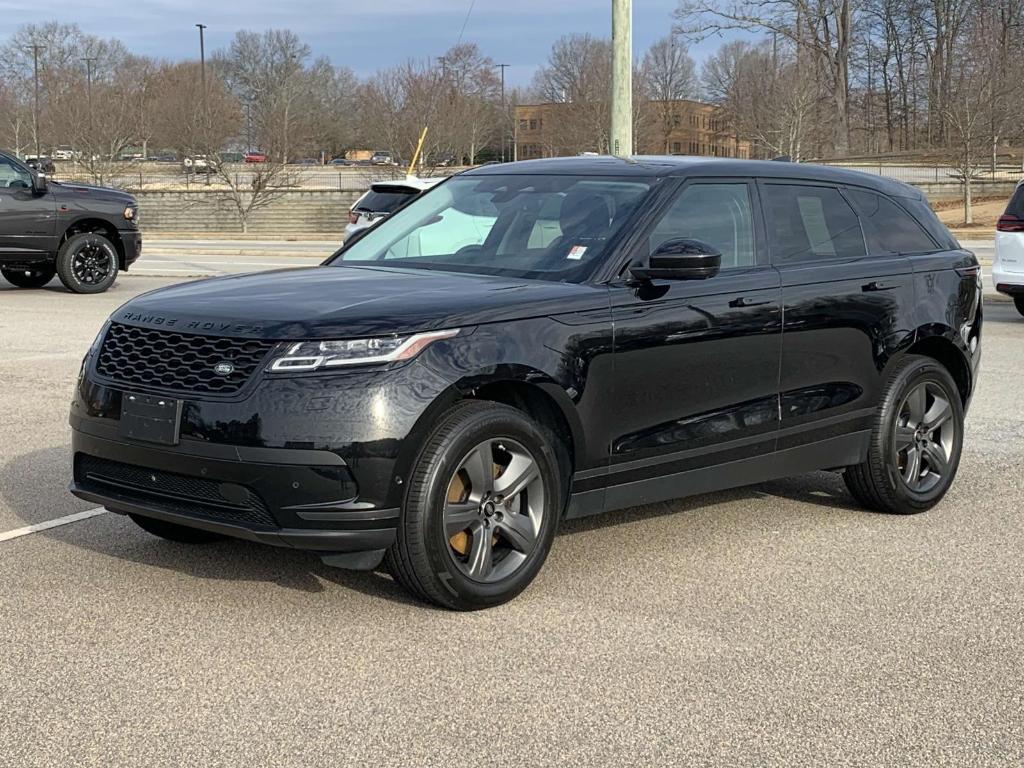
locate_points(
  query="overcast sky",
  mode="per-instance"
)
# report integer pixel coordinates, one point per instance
(362, 34)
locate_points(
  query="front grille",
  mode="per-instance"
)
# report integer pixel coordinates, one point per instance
(178, 361)
(181, 494)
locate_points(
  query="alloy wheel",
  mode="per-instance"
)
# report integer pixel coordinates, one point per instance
(924, 437)
(493, 510)
(91, 264)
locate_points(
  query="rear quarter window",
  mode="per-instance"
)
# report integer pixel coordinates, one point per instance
(1016, 205)
(889, 228)
(385, 200)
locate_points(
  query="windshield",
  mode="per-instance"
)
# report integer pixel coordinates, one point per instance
(547, 227)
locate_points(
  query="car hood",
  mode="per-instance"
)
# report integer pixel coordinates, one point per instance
(74, 190)
(350, 302)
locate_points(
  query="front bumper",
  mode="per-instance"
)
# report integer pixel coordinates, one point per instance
(282, 497)
(131, 239)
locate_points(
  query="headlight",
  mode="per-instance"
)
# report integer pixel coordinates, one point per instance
(314, 355)
(130, 213)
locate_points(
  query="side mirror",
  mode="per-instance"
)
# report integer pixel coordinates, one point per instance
(40, 183)
(680, 259)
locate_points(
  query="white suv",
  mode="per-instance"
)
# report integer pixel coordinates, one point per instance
(382, 199)
(1008, 265)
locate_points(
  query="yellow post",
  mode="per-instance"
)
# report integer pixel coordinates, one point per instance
(416, 155)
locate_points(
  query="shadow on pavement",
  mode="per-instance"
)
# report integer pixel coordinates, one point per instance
(34, 487)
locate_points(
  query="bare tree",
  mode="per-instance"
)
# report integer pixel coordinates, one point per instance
(668, 75)
(822, 28)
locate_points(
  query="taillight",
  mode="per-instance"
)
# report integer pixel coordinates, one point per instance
(1009, 223)
(353, 217)
(972, 271)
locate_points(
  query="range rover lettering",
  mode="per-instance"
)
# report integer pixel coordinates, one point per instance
(537, 341)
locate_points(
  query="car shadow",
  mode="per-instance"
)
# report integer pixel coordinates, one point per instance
(34, 487)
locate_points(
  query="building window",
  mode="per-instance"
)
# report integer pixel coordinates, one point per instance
(522, 124)
(533, 125)
(677, 147)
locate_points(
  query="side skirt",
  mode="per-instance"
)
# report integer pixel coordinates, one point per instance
(839, 451)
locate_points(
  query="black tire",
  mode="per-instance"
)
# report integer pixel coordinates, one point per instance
(29, 278)
(1018, 302)
(174, 532)
(87, 263)
(423, 559)
(879, 483)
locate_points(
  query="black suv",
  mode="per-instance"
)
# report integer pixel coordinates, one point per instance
(82, 233)
(536, 341)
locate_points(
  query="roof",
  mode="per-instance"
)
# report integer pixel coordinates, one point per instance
(648, 166)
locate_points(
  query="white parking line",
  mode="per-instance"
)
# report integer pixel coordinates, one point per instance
(19, 532)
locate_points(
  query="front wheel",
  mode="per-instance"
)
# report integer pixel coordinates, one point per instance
(481, 508)
(1018, 302)
(915, 443)
(29, 278)
(87, 263)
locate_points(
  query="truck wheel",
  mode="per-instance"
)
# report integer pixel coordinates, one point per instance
(481, 508)
(29, 278)
(915, 443)
(1018, 302)
(87, 263)
(174, 532)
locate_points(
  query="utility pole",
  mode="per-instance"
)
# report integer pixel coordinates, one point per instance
(35, 103)
(622, 78)
(89, 61)
(504, 113)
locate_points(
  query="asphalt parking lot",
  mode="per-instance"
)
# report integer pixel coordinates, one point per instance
(774, 625)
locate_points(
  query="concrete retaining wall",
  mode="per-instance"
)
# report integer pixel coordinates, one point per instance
(291, 213)
(298, 213)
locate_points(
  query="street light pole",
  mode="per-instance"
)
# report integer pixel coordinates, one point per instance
(622, 78)
(504, 113)
(89, 61)
(202, 65)
(35, 102)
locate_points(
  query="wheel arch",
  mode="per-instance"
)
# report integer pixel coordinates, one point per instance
(938, 346)
(520, 387)
(98, 226)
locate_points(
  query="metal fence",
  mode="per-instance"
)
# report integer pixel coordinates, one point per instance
(156, 177)
(924, 174)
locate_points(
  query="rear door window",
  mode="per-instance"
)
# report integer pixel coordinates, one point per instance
(889, 228)
(809, 223)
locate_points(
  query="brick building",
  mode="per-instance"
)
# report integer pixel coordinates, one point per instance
(662, 128)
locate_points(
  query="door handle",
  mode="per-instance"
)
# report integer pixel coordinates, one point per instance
(744, 301)
(875, 285)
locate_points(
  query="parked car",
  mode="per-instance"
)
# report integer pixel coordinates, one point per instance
(307, 161)
(340, 161)
(199, 164)
(81, 233)
(63, 153)
(1008, 264)
(440, 399)
(382, 158)
(41, 164)
(255, 157)
(382, 199)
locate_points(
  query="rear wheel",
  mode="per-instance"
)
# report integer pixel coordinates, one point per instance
(1018, 302)
(915, 443)
(174, 532)
(87, 263)
(29, 278)
(481, 508)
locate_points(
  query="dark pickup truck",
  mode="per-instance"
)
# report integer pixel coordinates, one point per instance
(82, 233)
